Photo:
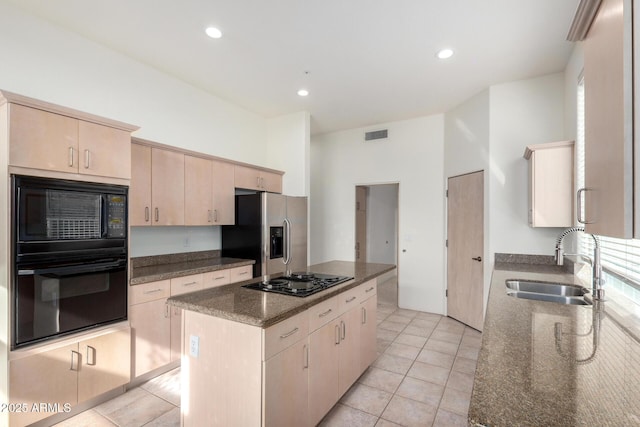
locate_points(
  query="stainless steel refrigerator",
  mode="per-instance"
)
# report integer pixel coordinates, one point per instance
(270, 229)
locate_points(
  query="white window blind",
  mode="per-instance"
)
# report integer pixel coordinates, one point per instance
(620, 257)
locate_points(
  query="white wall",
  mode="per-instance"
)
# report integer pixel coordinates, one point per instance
(521, 113)
(467, 150)
(288, 148)
(382, 221)
(146, 241)
(412, 157)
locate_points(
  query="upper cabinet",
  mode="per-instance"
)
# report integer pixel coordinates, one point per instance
(157, 187)
(49, 138)
(608, 197)
(257, 179)
(224, 204)
(551, 193)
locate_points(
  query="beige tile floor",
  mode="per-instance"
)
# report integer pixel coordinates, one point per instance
(423, 377)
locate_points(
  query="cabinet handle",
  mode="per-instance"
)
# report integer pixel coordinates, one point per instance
(157, 214)
(337, 335)
(344, 330)
(91, 356)
(87, 159)
(364, 316)
(190, 284)
(262, 182)
(75, 356)
(209, 217)
(350, 299)
(288, 334)
(166, 311)
(215, 215)
(325, 313)
(71, 156)
(580, 203)
(153, 291)
(242, 273)
(146, 214)
(219, 278)
(258, 181)
(305, 355)
(370, 289)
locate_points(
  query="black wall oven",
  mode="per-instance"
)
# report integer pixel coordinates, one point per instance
(70, 257)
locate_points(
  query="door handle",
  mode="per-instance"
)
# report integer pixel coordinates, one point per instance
(478, 258)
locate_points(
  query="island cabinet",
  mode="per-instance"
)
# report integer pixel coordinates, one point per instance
(54, 142)
(289, 374)
(257, 179)
(70, 373)
(157, 186)
(610, 146)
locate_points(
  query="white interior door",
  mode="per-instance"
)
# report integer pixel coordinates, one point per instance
(465, 234)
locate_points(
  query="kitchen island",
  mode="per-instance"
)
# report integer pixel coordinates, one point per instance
(258, 358)
(543, 363)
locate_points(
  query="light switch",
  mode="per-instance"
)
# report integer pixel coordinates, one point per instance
(194, 345)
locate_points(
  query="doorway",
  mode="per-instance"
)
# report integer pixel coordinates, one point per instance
(465, 248)
(376, 229)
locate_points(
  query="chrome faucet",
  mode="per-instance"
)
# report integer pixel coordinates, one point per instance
(596, 266)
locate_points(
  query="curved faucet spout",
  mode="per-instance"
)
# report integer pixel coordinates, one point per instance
(598, 292)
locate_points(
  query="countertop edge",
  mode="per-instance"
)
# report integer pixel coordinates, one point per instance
(181, 301)
(188, 271)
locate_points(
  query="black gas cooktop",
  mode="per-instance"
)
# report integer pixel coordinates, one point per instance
(299, 284)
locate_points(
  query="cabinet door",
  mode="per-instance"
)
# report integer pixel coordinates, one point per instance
(42, 140)
(271, 182)
(167, 187)
(324, 351)
(104, 151)
(223, 193)
(368, 326)
(213, 279)
(151, 328)
(45, 377)
(286, 383)
(176, 333)
(140, 189)
(106, 364)
(349, 364)
(238, 274)
(198, 191)
(245, 177)
(608, 75)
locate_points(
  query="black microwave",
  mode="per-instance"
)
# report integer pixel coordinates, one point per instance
(53, 216)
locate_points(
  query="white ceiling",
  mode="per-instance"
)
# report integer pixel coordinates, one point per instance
(369, 61)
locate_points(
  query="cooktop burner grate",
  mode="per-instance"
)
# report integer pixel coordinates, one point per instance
(299, 284)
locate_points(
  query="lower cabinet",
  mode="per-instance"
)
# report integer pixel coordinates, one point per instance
(286, 385)
(290, 374)
(68, 375)
(156, 327)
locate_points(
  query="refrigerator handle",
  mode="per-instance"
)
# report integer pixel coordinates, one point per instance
(287, 241)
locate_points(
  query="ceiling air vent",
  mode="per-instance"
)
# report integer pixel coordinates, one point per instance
(376, 134)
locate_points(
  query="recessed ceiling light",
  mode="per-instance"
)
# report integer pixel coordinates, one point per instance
(444, 53)
(303, 92)
(213, 32)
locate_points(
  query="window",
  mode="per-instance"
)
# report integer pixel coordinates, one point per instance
(620, 258)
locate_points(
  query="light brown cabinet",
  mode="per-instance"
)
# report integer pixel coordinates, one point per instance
(209, 192)
(551, 189)
(257, 179)
(311, 358)
(609, 123)
(70, 374)
(48, 141)
(157, 187)
(181, 285)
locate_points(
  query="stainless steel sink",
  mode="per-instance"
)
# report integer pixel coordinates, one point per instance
(546, 288)
(550, 298)
(546, 291)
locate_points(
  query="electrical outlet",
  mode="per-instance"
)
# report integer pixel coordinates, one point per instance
(194, 345)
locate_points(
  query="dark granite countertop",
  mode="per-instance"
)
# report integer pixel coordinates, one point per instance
(264, 309)
(547, 364)
(151, 269)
